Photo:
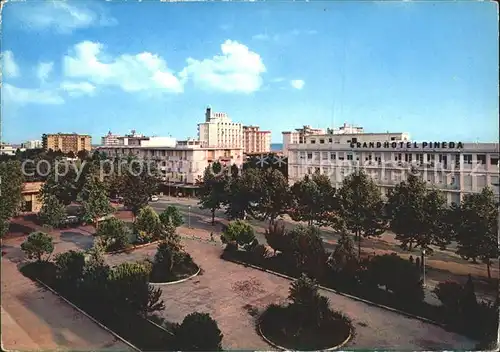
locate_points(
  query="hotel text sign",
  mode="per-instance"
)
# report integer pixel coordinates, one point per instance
(423, 145)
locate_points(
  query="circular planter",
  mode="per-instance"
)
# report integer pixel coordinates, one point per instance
(177, 281)
(269, 340)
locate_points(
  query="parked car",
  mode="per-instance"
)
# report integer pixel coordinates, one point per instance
(70, 220)
(154, 198)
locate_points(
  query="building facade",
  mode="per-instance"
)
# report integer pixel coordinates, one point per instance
(218, 131)
(255, 140)
(67, 142)
(452, 167)
(138, 140)
(110, 139)
(30, 193)
(181, 166)
(298, 136)
(33, 144)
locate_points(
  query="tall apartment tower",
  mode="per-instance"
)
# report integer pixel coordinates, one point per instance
(255, 140)
(67, 142)
(218, 131)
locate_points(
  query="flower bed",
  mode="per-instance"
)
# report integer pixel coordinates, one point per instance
(133, 328)
(180, 271)
(281, 327)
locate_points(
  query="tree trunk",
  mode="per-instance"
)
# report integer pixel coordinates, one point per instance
(411, 246)
(488, 264)
(213, 217)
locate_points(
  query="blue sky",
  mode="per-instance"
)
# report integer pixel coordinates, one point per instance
(430, 69)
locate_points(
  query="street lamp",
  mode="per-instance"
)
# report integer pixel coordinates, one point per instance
(423, 266)
(189, 216)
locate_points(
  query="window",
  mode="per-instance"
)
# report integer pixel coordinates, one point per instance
(408, 158)
(316, 156)
(333, 156)
(309, 156)
(324, 156)
(313, 141)
(321, 141)
(393, 138)
(420, 158)
(430, 157)
(481, 159)
(349, 156)
(330, 140)
(494, 160)
(467, 158)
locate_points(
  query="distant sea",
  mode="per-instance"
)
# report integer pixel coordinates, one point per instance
(276, 147)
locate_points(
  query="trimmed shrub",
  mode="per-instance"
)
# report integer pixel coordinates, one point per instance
(198, 332)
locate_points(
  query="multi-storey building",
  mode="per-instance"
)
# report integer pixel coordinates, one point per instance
(298, 136)
(182, 166)
(67, 142)
(255, 140)
(33, 144)
(453, 167)
(7, 149)
(110, 139)
(218, 131)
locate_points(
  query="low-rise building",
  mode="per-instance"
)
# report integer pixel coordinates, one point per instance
(182, 166)
(453, 167)
(256, 141)
(30, 193)
(135, 139)
(32, 144)
(67, 142)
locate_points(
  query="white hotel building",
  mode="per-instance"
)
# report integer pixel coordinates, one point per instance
(181, 165)
(453, 167)
(218, 131)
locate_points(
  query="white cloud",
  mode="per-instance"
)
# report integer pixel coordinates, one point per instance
(12, 94)
(132, 73)
(297, 83)
(277, 80)
(78, 88)
(237, 70)
(59, 16)
(44, 70)
(9, 65)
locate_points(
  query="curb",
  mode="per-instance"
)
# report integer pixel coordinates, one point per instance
(176, 282)
(88, 316)
(133, 248)
(409, 315)
(287, 349)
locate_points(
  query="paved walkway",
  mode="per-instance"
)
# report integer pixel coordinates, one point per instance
(35, 319)
(234, 295)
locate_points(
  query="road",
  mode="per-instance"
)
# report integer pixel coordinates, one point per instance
(200, 219)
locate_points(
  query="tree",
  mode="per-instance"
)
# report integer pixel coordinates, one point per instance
(274, 198)
(310, 307)
(94, 200)
(417, 215)
(477, 228)
(314, 201)
(343, 259)
(240, 232)
(11, 185)
(171, 216)
(397, 275)
(361, 207)
(52, 212)
(244, 193)
(139, 183)
(129, 285)
(148, 224)
(70, 267)
(277, 237)
(37, 245)
(61, 183)
(212, 190)
(198, 332)
(114, 233)
(163, 262)
(308, 250)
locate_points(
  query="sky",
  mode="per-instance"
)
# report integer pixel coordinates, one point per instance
(426, 68)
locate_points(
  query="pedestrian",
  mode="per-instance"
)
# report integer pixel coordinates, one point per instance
(211, 236)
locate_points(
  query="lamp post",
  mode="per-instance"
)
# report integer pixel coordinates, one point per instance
(189, 216)
(423, 266)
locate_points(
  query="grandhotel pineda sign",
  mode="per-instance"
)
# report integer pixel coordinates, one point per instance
(423, 145)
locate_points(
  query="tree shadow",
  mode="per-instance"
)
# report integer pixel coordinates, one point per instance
(13, 254)
(81, 241)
